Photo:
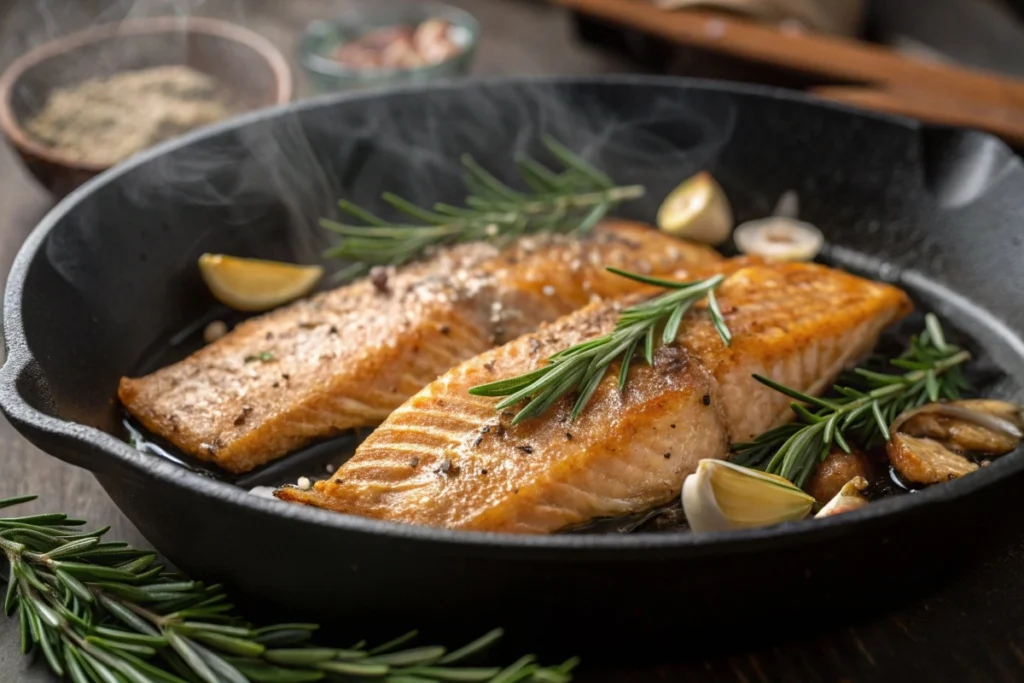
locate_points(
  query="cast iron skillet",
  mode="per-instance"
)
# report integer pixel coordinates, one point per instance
(107, 283)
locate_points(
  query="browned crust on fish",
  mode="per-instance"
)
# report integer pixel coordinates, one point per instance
(347, 358)
(446, 458)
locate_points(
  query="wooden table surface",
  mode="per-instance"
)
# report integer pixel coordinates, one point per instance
(972, 629)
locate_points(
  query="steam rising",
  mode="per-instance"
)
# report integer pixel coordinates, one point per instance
(410, 143)
(287, 169)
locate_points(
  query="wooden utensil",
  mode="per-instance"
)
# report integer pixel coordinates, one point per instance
(1006, 122)
(855, 72)
(842, 17)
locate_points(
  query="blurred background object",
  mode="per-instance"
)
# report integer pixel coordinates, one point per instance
(78, 104)
(949, 62)
(842, 17)
(376, 43)
(946, 61)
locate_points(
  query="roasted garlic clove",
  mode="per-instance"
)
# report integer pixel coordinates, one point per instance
(697, 210)
(924, 461)
(848, 498)
(779, 238)
(980, 426)
(835, 472)
(721, 496)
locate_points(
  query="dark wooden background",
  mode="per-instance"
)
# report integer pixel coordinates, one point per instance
(971, 629)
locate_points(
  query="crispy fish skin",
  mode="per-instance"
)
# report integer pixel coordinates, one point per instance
(447, 459)
(347, 358)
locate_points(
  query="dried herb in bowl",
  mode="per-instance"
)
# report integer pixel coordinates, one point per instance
(104, 121)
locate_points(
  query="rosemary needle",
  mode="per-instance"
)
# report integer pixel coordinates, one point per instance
(100, 612)
(861, 413)
(581, 368)
(570, 201)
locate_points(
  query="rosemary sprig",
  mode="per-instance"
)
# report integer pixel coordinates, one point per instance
(573, 200)
(862, 410)
(581, 368)
(104, 612)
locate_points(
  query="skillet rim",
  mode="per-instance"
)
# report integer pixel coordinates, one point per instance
(20, 358)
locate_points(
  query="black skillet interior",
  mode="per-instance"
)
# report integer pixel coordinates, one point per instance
(108, 285)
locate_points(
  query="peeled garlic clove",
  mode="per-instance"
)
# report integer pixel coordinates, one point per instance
(924, 461)
(979, 426)
(697, 210)
(779, 238)
(848, 499)
(721, 496)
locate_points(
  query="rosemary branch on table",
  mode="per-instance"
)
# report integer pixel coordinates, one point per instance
(861, 412)
(103, 612)
(581, 368)
(572, 201)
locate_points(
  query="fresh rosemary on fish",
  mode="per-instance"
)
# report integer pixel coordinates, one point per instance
(103, 612)
(862, 411)
(572, 201)
(581, 368)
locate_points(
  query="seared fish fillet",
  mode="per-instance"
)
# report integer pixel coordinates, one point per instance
(347, 358)
(447, 459)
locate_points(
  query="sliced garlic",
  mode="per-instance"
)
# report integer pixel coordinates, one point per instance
(923, 461)
(849, 498)
(697, 210)
(780, 238)
(980, 426)
(721, 496)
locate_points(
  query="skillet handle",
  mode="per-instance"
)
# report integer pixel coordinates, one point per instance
(936, 108)
(26, 401)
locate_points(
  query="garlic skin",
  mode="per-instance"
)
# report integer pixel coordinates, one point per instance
(721, 496)
(697, 210)
(779, 238)
(848, 499)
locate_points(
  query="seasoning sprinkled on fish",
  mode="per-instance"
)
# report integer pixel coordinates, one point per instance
(629, 450)
(347, 358)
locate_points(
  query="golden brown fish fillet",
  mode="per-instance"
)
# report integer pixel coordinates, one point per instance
(348, 357)
(447, 459)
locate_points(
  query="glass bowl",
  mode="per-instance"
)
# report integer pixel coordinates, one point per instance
(322, 37)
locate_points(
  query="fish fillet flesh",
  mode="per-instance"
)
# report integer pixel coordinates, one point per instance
(447, 459)
(348, 357)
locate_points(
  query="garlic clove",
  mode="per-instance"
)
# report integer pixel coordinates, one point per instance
(924, 461)
(721, 496)
(697, 210)
(1012, 413)
(981, 426)
(779, 238)
(848, 499)
(835, 472)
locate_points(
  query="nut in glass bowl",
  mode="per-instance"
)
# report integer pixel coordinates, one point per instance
(383, 43)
